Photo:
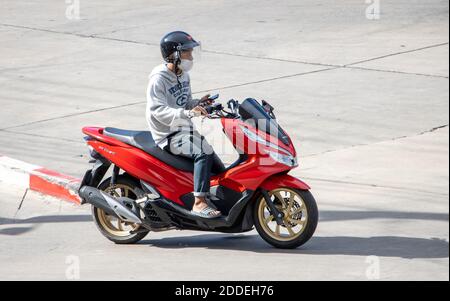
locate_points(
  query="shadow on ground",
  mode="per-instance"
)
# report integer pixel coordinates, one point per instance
(337, 215)
(47, 219)
(383, 246)
(325, 216)
(38, 220)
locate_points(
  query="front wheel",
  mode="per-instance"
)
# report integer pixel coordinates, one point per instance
(299, 222)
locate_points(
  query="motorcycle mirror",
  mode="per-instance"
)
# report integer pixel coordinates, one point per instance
(268, 108)
(232, 105)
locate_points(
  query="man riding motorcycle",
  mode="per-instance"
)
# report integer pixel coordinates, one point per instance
(170, 107)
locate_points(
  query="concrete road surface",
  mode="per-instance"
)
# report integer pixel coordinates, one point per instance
(364, 97)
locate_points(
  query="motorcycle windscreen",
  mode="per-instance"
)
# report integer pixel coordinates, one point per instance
(253, 112)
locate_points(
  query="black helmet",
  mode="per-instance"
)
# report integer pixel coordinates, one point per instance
(176, 41)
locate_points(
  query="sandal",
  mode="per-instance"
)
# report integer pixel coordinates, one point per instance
(207, 212)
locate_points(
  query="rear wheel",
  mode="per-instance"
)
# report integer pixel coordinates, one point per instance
(299, 221)
(111, 227)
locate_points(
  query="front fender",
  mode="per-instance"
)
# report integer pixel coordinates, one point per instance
(284, 180)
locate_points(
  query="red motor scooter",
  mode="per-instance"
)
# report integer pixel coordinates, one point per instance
(150, 189)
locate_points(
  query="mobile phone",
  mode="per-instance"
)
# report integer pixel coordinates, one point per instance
(213, 97)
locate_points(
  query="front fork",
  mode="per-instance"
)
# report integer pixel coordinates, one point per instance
(273, 209)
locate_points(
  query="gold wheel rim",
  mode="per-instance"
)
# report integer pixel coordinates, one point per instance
(112, 224)
(295, 213)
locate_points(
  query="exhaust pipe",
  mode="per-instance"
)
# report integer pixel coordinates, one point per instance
(108, 204)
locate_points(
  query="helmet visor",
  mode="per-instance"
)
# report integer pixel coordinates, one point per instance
(189, 45)
(196, 50)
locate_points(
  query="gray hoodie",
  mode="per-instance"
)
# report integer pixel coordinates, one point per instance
(168, 104)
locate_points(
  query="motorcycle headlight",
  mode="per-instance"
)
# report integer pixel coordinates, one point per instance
(256, 138)
(253, 136)
(285, 158)
(288, 160)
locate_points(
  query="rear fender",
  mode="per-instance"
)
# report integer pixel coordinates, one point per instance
(93, 176)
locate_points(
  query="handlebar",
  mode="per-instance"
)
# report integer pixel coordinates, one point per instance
(214, 108)
(217, 110)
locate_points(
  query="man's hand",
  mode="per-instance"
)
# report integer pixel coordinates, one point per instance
(205, 101)
(198, 111)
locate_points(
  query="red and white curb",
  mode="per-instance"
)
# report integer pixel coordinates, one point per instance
(37, 178)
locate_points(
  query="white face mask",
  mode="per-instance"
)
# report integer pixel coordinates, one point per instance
(186, 65)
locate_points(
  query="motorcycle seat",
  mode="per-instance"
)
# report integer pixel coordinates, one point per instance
(144, 141)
